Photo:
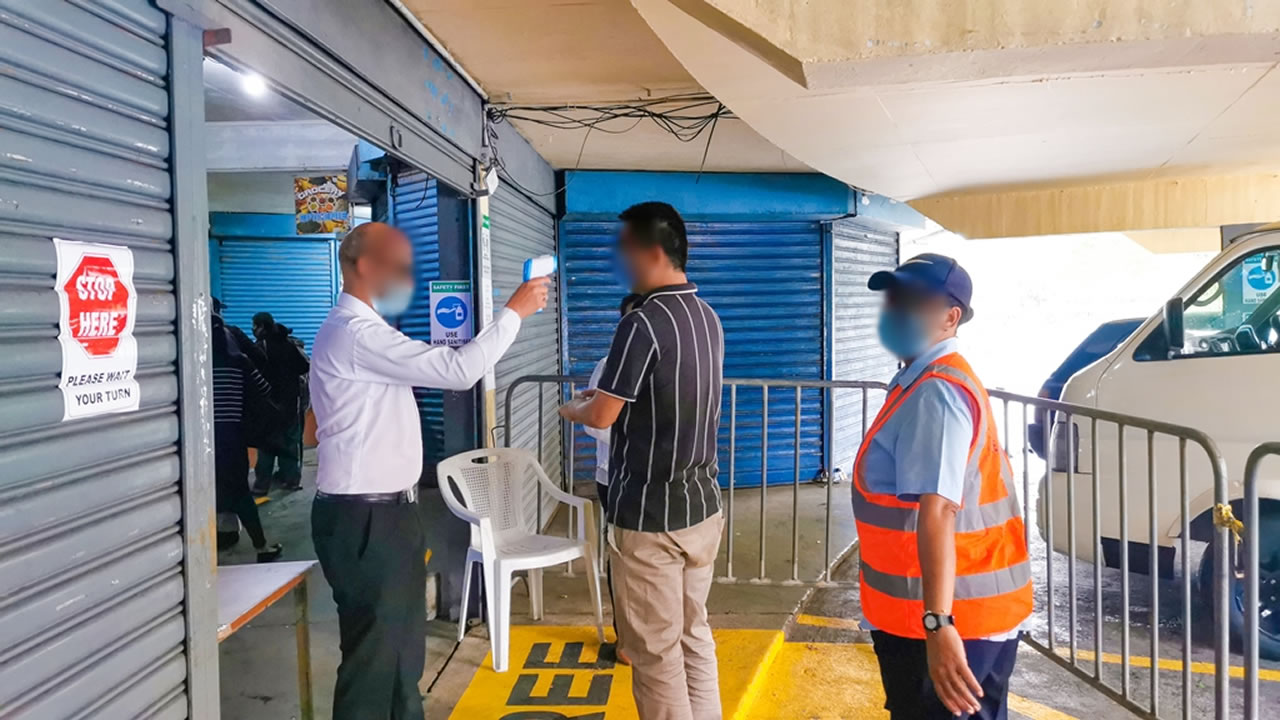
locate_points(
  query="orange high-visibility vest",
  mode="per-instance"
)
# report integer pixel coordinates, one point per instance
(993, 574)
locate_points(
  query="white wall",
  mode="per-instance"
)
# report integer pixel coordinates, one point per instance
(266, 192)
(1035, 299)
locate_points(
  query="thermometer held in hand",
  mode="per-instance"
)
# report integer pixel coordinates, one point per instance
(539, 267)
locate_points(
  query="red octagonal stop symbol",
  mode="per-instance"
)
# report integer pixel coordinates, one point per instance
(98, 305)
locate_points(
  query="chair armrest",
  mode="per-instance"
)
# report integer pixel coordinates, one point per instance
(583, 505)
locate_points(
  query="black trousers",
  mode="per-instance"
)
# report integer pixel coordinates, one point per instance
(909, 694)
(602, 493)
(231, 480)
(372, 556)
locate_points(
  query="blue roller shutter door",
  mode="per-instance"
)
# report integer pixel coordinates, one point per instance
(414, 210)
(264, 267)
(857, 251)
(765, 280)
(91, 552)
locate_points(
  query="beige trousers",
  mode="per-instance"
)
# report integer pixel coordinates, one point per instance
(660, 586)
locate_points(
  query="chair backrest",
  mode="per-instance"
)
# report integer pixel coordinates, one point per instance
(498, 483)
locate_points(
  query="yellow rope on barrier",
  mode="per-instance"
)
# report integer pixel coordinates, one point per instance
(1224, 518)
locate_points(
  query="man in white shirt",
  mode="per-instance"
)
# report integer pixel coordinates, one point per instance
(366, 527)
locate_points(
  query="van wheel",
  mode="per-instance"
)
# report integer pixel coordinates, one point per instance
(1268, 590)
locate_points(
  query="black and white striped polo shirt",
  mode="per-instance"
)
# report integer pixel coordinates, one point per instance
(666, 361)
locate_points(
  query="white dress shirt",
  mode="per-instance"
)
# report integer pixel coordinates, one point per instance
(601, 435)
(363, 372)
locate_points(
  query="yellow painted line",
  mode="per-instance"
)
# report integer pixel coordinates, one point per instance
(1035, 710)
(552, 669)
(828, 622)
(1141, 661)
(826, 681)
(758, 680)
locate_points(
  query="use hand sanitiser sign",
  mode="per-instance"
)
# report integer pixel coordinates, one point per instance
(98, 307)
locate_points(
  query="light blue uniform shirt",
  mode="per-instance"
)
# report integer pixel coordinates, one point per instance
(924, 446)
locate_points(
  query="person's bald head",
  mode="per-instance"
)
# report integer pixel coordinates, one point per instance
(375, 257)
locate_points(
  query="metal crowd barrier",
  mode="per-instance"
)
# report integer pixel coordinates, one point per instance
(726, 564)
(1064, 423)
(1252, 572)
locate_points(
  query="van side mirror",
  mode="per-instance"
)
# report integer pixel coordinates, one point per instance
(1174, 335)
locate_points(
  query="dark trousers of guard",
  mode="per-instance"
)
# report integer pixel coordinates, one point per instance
(909, 694)
(372, 556)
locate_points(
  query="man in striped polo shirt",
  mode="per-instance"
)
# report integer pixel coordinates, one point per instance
(659, 393)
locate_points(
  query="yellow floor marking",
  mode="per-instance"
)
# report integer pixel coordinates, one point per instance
(826, 681)
(828, 622)
(1140, 661)
(551, 670)
(1035, 710)
(758, 679)
(261, 500)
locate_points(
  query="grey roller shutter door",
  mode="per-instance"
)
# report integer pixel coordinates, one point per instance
(857, 251)
(91, 591)
(521, 229)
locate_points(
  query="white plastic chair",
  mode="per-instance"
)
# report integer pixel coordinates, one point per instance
(497, 492)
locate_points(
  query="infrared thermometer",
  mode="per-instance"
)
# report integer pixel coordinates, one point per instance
(539, 267)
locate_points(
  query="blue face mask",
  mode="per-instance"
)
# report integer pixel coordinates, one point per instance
(395, 300)
(903, 333)
(621, 272)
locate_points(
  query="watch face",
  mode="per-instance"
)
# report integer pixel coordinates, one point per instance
(931, 622)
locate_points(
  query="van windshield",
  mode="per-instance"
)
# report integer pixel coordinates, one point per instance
(1237, 311)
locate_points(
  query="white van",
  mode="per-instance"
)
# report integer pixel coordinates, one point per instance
(1209, 361)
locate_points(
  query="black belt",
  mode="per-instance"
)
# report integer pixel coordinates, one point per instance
(404, 497)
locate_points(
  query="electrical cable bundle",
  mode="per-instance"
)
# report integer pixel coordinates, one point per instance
(685, 117)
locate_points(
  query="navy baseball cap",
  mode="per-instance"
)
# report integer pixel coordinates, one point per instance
(929, 273)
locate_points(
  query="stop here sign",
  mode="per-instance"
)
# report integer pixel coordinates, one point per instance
(98, 306)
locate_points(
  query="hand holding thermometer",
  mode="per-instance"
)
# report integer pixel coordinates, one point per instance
(539, 267)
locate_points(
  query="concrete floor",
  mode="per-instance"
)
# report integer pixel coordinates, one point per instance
(258, 664)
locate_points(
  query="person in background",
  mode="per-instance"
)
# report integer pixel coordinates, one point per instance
(287, 365)
(235, 378)
(601, 436)
(365, 522)
(660, 393)
(227, 522)
(945, 578)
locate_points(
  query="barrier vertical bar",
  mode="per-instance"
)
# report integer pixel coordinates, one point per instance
(795, 499)
(1071, 532)
(733, 456)
(1096, 470)
(1026, 478)
(1185, 512)
(1222, 569)
(1252, 568)
(1050, 462)
(1153, 558)
(826, 535)
(764, 467)
(1124, 562)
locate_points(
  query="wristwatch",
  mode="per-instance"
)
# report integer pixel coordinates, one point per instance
(934, 622)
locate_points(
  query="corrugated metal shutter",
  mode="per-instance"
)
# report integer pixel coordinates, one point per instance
(91, 590)
(764, 279)
(857, 251)
(520, 230)
(264, 266)
(414, 210)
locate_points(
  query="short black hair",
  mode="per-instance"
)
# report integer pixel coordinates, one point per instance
(264, 319)
(657, 223)
(629, 303)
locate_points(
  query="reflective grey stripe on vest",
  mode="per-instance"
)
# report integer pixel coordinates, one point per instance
(968, 587)
(992, 514)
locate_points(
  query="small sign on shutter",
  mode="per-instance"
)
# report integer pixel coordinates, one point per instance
(98, 307)
(450, 312)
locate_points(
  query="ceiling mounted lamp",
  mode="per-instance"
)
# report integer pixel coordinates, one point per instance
(253, 84)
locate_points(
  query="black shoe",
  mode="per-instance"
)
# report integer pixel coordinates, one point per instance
(227, 539)
(270, 554)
